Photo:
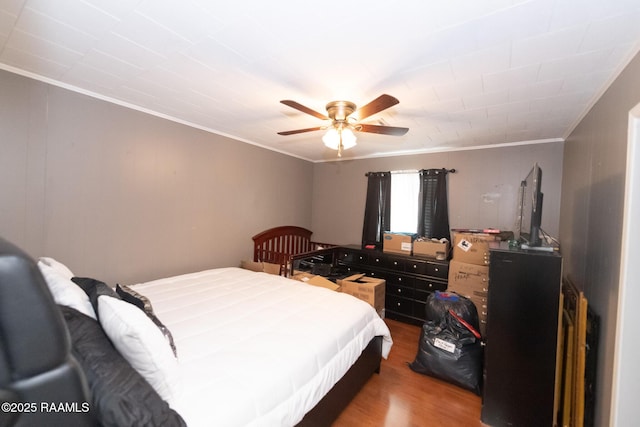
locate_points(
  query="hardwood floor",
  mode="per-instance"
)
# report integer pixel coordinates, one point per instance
(399, 397)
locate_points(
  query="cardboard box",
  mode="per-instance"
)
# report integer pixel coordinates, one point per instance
(481, 306)
(473, 248)
(470, 275)
(261, 266)
(433, 248)
(471, 281)
(367, 289)
(469, 292)
(398, 243)
(315, 280)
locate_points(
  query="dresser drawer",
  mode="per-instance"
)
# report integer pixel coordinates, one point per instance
(399, 304)
(399, 279)
(360, 258)
(349, 269)
(372, 273)
(437, 270)
(376, 260)
(353, 257)
(399, 291)
(419, 309)
(395, 263)
(416, 266)
(428, 285)
(346, 256)
(420, 295)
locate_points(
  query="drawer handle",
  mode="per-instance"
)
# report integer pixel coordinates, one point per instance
(399, 291)
(398, 304)
(430, 285)
(399, 279)
(437, 269)
(395, 262)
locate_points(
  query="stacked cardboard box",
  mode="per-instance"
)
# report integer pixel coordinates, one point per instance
(469, 270)
(473, 248)
(398, 243)
(433, 248)
(471, 281)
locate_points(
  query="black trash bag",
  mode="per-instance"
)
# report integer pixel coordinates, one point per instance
(439, 303)
(450, 351)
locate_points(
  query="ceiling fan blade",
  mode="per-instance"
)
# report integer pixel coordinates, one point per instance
(384, 130)
(300, 107)
(293, 132)
(380, 103)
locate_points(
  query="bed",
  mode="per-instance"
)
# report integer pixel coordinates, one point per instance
(277, 245)
(252, 348)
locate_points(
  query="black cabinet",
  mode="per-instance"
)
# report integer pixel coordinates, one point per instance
(409, 280)
(522, 338)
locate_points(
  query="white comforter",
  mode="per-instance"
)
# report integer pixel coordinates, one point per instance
(258, 349)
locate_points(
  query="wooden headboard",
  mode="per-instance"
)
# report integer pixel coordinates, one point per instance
(278, 244)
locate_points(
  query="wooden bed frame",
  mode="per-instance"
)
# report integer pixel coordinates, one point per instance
(341, 394)
(277, 245)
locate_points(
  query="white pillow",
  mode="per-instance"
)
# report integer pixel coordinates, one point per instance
(141, 343)
(58, 266)
(65, 292)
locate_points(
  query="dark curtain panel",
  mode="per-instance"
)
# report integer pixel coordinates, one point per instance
(433, 213)
(377, 211)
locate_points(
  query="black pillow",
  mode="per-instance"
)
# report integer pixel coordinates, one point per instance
(94, 288)
(120, 396)
(143, 303)
(133, 297)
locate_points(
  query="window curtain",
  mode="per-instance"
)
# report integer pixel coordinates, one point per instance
(377, 211)
(433, 213)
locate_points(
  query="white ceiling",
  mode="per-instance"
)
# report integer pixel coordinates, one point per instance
(467, 72)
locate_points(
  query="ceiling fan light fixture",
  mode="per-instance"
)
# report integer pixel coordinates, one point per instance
(332, 138)
(339, 135)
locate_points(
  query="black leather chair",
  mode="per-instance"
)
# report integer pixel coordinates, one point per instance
(37, 370)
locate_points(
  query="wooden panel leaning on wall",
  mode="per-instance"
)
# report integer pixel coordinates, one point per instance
(580, 330)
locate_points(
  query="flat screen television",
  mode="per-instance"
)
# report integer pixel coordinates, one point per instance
(530, 209)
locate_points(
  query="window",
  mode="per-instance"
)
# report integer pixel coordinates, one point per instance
(419, 205)
(405, 191)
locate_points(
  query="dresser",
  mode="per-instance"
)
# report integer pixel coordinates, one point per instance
(409, 279)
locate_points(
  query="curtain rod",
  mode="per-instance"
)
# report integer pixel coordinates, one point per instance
(408, 171)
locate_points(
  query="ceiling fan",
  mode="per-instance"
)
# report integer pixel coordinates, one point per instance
(340, 135)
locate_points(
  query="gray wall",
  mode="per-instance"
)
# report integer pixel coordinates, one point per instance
(482, 193)
(124, 196)
(593, 191)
